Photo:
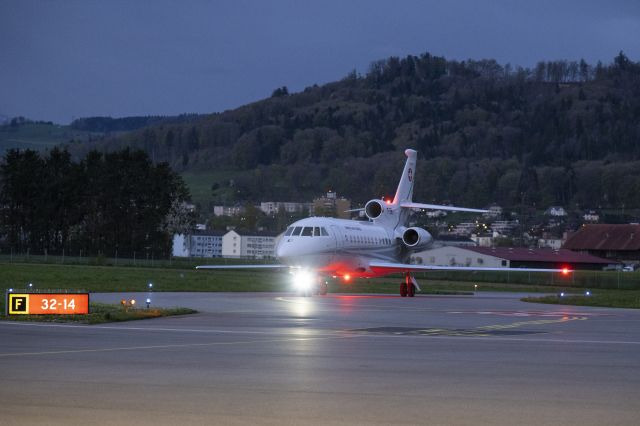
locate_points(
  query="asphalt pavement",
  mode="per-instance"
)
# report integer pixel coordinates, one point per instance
(265, 358)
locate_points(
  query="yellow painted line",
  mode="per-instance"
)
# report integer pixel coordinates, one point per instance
(534, 322)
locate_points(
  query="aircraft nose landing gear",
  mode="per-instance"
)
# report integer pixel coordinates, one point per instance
(408, 288)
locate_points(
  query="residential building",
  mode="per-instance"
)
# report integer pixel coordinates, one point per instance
(228, 210)
(331, 204)
(556, 211)
(465, 228)
(504, 227)
(591, 216)
(454, 240)
(436, 213)
(198, 244)
(493, 211)
(482, 240)
(552, 243)
(255, 244)
(271, 207)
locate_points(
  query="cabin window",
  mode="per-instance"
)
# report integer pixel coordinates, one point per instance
(289, 231)
(307, 231)
(504, 263)
(296, 231)
(324, 232)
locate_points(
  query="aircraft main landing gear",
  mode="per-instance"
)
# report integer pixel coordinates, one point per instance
(407, 288)
(403, 289)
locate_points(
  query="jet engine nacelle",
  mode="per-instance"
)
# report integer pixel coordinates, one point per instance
(374, 209)
(416, 237)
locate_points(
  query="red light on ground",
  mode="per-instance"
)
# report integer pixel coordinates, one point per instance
(347, 278)
(565, 271)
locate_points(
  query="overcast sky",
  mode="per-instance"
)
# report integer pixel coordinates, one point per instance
(68, 59)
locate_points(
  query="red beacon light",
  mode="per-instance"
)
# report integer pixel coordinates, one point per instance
(565, 271)
(347, 278)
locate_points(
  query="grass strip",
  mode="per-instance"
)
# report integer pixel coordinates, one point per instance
(607, 299)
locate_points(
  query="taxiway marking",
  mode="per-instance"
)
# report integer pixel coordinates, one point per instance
(184, 345)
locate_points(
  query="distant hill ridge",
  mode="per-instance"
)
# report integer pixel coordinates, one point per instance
(562, 132)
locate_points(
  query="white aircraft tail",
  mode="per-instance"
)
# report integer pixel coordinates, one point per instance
(404, 193)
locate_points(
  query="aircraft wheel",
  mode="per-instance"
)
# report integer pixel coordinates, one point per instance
(403, 290)
(411, 291)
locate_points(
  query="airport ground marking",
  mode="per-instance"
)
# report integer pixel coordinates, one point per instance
(481, 331)
(506, 339)
(182, 345)
(293, 331)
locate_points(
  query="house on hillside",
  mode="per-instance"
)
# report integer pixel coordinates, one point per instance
(617, 242)
(591, 216)
(508, 257)
(556, 211)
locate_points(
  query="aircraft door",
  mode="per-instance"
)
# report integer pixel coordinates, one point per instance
(337, 234)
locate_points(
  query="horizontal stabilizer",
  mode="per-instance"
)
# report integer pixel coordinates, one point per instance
(411, 205)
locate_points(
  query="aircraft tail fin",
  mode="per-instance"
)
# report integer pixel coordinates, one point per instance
(404, 193)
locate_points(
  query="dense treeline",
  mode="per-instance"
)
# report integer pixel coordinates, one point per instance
(559, 133)
(125, 124)
(115, 203)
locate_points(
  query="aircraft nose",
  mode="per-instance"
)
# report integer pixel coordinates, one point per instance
(282, 250)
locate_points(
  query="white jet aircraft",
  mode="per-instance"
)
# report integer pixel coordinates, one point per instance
(321, 246)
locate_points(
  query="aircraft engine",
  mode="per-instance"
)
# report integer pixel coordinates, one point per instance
(416, 237)
(374, 209)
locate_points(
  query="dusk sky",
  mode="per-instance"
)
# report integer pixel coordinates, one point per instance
(68, 59)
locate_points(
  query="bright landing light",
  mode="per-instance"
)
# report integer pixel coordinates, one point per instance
(303, 280)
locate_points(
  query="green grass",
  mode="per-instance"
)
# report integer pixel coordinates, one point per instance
(102, 313)
(136, 279)
(603, 298)
(39, 136)
(199, 183)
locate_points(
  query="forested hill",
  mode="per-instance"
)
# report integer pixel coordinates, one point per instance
(560, 133)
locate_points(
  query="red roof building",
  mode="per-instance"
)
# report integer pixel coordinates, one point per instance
(619, 242)
(522, 257)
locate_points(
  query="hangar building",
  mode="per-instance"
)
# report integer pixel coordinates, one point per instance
(617, 242)
(508, 257)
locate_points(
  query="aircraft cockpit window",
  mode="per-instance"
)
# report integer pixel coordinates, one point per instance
(296, 231)
(289, 231)
(316, 231)
(324, 232)
(307, 231)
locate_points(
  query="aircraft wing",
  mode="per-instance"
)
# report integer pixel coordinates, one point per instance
(403, 267)
(412, 205)
(271, 267)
